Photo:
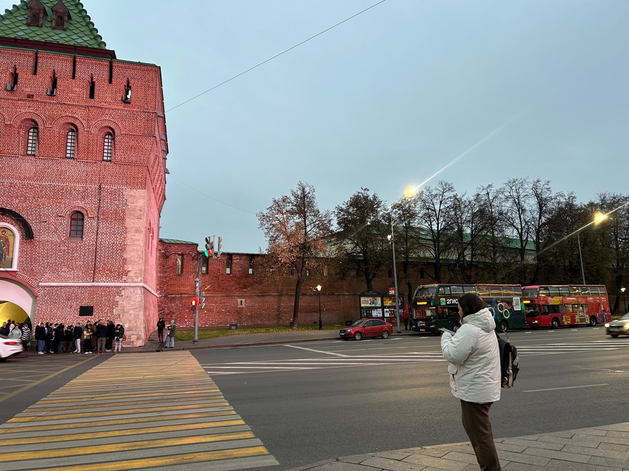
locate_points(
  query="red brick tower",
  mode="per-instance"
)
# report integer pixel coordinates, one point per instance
(82, 173)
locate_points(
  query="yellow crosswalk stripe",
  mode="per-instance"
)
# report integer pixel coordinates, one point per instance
(172, 460)
(128, 396)
(122, 404)
(128, 446)
(41, 418)
(119, 433)
(106, 423)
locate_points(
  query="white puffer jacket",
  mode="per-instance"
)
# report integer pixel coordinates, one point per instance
(474, 359)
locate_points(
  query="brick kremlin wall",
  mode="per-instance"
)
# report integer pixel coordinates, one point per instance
(268, 300)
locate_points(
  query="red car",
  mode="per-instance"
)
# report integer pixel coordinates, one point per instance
(367, 328)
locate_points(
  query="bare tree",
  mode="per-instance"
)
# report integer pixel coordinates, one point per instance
(516, 193)
(543, 203)
(361, 239)
(295, 229)
(434, 217)
(469, 226)
(405, 212)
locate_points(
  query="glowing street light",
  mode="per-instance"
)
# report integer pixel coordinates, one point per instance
(598, 218)
(318, 288)
(407, 194)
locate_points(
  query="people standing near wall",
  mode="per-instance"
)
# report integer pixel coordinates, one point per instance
(14, 332)
(40, 336)
(49, 336)
(474, 367)
(78, 334)
(59, 338)
(160, 329)
(110, 336)
(101, 336)
(87, 338)
(118, 335)
(27, 336)
(170, 340)
(68, 338)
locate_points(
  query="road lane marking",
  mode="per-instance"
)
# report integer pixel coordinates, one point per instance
(567, 387)
(317, 351)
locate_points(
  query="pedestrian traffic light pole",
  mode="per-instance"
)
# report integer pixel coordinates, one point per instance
(197, 292)
(207, 254)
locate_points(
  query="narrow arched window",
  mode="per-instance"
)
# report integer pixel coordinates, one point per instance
(76, 225)
(31, 140)
(71, 144)
(108, 146)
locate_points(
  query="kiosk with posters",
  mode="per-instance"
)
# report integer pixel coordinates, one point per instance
(388, 302)
(371, 304)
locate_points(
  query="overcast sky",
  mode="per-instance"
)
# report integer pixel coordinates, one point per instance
(383, 101)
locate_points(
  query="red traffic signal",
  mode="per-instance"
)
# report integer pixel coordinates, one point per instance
(195, 302)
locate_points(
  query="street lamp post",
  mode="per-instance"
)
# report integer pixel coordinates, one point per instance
(319, 291)
(397, 314)
(624, 302)
(581, 258)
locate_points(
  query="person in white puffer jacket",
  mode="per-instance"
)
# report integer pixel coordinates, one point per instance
(474, 367)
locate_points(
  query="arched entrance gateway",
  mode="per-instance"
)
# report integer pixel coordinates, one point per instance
(16, 302)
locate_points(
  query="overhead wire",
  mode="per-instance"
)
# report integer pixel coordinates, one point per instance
(276, 56)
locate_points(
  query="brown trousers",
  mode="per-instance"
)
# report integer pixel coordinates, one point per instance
(478, 428)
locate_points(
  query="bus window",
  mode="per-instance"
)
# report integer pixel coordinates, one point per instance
(585, 290)
(530, 293)
(551, 309)
(532, 310)
(426, 292)
(444, 291)
(456, 291)
(554, 291)
(483, 291)
(469, 289)
(445, 313)
(495, 291)
(564, 291)
(595, 290)
(576, 291)
(543, 292)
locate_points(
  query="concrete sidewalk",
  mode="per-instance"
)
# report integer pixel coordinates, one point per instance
(603, 448)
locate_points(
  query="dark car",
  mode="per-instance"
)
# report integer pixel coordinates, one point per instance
(367, 328)
(618, 327)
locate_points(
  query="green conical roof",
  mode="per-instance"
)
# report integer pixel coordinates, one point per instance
(81, 31)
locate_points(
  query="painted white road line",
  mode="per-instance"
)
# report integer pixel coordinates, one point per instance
(567, 387)
(316, 351)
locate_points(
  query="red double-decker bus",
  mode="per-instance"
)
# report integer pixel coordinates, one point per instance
(557, 305)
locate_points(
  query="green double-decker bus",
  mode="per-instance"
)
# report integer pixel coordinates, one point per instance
(436, 306)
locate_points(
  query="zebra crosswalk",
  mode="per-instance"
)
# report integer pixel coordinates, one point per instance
(329, 360)
(302, 364)
(133, 411)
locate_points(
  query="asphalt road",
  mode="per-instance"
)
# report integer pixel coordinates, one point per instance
(308, 402)
(329, 399)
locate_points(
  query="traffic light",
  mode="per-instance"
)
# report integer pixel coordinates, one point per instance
(202, 301)
(220, 245)
(209, 247)
(195, 302)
